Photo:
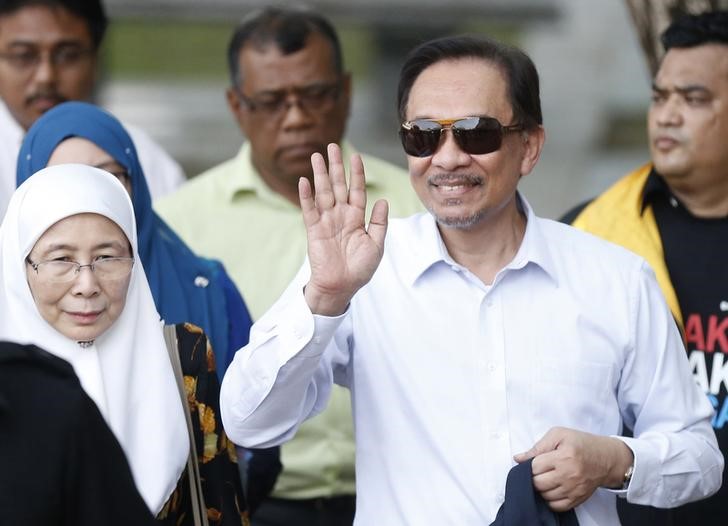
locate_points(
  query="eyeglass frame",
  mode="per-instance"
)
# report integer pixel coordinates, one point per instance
(78, 267)
(331, 93)
(448, 124)
(64, 55)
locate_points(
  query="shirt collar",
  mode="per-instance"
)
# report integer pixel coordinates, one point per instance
(12, 130)
(534, 247)
(246, 179)
(430, 249)
(655, 187)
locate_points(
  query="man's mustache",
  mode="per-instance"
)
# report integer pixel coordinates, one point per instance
(53, 95)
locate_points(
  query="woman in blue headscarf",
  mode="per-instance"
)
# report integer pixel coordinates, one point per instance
(186, 288)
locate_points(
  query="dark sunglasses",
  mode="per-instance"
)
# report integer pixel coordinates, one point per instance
(474, 135)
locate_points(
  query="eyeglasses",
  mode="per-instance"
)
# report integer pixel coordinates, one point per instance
(474, 135)
(319, 97)
(29, 59)
(60, 271)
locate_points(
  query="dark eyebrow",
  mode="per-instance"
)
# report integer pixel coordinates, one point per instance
(109, 244)
(285, 90)
(59, 246)
(683, 90)
(100, 246)
(32, 43)
(264, 92)
(692, 89)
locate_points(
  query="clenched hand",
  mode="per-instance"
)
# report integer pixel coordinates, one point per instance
(569, 465)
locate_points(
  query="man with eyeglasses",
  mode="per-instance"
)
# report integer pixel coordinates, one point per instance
(290, 96)
(48, 55)
(673, 211)
(478, 334)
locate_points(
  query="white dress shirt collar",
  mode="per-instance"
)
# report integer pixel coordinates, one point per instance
(428, 247)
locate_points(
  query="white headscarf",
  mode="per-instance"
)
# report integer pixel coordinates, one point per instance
(127, 371)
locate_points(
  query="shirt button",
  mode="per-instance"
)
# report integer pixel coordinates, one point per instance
(495, 435)
(491, 367)
(489, 302)
(673, 202)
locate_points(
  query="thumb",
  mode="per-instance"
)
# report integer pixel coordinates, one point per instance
(548, 442)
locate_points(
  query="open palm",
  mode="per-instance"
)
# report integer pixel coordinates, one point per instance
(342, 252)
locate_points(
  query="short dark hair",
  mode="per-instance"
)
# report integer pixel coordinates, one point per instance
(710, 27)
(519, 70)
(91, 11)
(288, 29)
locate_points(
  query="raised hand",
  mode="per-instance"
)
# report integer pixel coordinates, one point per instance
(342, 252)
(569, 465)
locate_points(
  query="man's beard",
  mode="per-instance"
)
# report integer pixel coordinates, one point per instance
(460, 222)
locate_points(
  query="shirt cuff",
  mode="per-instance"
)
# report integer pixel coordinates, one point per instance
(324, 328)
(645, 474)
(311, 332)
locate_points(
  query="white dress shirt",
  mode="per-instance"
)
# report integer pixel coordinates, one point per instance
(450, 378)
(163, 173)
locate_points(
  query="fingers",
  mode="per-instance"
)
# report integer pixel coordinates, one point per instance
(378, 222)
(337, 173)
(305, 197)
(562, 505)
(545, 478)
(526, 455)
(357, 183)
(548, 442)
(566, 468)
(324, 195)
(560, 492)
(330, 181)
(543, 463)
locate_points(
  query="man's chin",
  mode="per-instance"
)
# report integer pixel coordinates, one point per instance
(671, 169)
(295, 168)
(299, 154)
(460, 222)
(28, 118)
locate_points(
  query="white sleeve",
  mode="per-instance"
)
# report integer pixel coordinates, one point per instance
(677, 459)
(285, 373)
(163, 173)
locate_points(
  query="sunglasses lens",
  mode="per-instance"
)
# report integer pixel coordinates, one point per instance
(478, 136)
(418, 142)
(474, 135)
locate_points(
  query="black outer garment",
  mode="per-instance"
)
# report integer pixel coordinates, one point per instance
(60, 464)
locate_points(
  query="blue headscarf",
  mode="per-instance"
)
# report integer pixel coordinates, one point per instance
(186, 288)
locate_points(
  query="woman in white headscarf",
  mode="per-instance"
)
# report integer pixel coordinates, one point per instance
(73, 284)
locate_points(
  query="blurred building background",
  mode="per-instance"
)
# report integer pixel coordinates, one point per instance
(165, 71)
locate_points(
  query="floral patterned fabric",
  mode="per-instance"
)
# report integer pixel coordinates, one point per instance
(221, 485)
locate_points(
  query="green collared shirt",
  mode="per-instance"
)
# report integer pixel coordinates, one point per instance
(229, 213)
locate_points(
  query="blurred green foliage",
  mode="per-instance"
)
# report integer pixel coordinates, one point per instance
(162, 49)
(188, 50)
(154, 48)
